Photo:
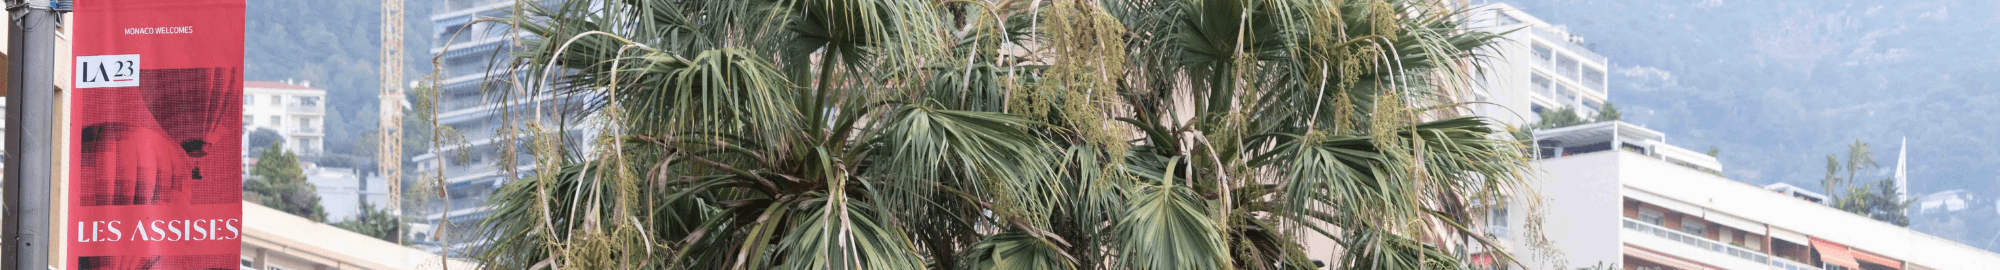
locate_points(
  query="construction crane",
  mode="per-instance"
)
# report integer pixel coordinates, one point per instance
(389, 136)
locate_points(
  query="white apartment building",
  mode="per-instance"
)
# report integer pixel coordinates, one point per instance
(471, 105)
(466, 106)
(294, 109)
(1612, 192)
(1537, 67)
(1944, 201)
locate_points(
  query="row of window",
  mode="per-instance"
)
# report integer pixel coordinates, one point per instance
(1698, 227)
(275, 100)
(1697, 241)
(306, 124)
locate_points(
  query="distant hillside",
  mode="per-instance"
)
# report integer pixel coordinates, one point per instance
(1778, 85)
(334, 44)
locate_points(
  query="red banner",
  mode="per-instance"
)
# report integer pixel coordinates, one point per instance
(155, 125)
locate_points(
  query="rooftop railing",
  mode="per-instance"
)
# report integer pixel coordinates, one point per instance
(1561, 39)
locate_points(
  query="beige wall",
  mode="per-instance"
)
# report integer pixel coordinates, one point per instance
(1580, 196)
(260, 257)
(294, 243)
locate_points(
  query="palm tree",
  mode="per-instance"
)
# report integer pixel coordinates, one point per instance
(1001, 134)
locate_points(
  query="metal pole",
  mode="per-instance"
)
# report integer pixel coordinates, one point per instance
(30, 135)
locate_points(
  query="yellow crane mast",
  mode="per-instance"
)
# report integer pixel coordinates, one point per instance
(389, 136)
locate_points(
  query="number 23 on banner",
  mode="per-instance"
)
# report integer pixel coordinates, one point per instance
(107, 71)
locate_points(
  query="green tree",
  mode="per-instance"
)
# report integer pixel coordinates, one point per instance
(264, 136)
(1568, 116)
(1875, 199)
(1859, 158)
(1560, 118)
(1885, 205)
(1714, 152)
(1607, 112)
(278, 182)
(373, 221)
(897, 134)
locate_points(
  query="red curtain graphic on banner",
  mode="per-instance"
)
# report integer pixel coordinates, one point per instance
(155, 127)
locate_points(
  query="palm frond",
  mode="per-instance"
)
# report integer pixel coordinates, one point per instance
(841, 233)
(990, 156)
(1168, 227)
(1017, 250)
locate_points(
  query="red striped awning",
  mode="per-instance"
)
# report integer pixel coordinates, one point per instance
(1834, 254)
(1663, 259)
(1877, 259)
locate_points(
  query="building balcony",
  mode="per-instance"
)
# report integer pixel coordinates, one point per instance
(306, 131)
(469, 6)
(467, 42)
(452, 105)
(456, 173)
(1571, 77)
(472, 202)
(1700, 249)
(305, 109)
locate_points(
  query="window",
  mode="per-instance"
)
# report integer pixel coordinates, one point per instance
(1568, 68)
(1652, 216)
(247, 120)
(1694, 226)
(1544, 86)
(1728, 236)
(277, 121)
(450, 31)
(1593, 78)
(306, 124)
(309, 101)
(1565, 94)
(278, 100)
(1497, 221)
(1592, 104)
(249, 100)
(1543, 55)
(1753, 242)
